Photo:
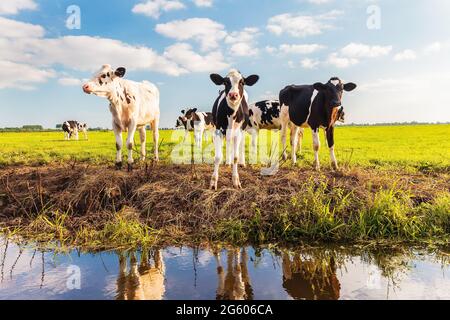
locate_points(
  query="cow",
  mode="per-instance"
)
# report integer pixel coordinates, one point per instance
(133, 106)
(198, 122)
(316, 106)
(269, 115)
(73, 128)
(230, 117)
(83, 127)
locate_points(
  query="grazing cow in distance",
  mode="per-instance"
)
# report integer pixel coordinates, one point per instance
(73, 128)
(133, 106)
(198, 122)
(230, 116)
(316, 106)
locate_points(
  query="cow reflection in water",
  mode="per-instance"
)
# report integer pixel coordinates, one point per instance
(144, 280)
(311, 279)
(235, 283)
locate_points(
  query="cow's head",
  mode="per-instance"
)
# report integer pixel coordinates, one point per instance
(334, 90)
(190, 113)
(82, 126)
(102, 82)
(181, 121)
(234, 84)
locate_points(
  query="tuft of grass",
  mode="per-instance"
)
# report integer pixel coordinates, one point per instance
(387, 216)
(436, 215)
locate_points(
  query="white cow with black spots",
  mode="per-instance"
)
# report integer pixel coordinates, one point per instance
(133, 105)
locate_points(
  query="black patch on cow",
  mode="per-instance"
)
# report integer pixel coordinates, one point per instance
(269, 110)
(298, 98)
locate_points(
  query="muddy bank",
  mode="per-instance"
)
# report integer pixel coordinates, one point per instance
(175, 201)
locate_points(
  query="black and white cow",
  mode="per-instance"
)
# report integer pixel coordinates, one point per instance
(269, 115)
(133, 106)
(73, 128)
(230, 116)
(316, 106)
(197, 122)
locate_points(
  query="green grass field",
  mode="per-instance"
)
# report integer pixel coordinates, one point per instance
(422, 147)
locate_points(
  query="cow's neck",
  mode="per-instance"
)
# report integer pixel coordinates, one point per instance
(117, 104)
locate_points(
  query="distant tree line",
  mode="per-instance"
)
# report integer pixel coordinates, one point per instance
(58, 127)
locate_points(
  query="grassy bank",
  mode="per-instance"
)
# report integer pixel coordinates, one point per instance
(97, 207)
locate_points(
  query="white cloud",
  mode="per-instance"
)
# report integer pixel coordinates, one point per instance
(298, 25)
(22, 76)
(406, 55)
(15, 29)
(203, 3)
(243, 43)
(341, 62)
(435, 47)
(270, 49)
(154, 8)
(186, 58)
(203, 30)
(352, 54)
(70, 81)
(358, 50)
(15, 6)
(300, 48)
(309, 63)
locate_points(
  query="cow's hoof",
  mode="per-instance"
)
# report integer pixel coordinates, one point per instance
(335, 167)
(119, 165)
(213, 186)
(130, 167)
(242, 165)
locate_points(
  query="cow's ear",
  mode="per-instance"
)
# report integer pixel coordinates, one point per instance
(350, 86)
(251, 80)
(319, 86)
(183, 111)
(194, 110)
(120, 72)
(217, 79)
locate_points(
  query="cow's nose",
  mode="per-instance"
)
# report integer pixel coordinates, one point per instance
(86, 88)
(233, 95)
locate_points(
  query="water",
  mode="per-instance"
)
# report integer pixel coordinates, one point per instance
(224, 273)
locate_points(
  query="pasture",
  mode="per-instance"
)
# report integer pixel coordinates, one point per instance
(421, 147)
(393, 186)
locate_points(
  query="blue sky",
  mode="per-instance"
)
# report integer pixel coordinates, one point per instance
(401, 67)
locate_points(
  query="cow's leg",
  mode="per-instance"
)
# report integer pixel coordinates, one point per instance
(330, 141)
(254, 149)
(143, 138)
(294, 143)
(218, 143)
(130, 144)
(77, 137)
(284, 129)
(229, 146)
(119, 145)
(316, 145)
(155, 128)
(242, 149)
(301, 134)
(237, 137)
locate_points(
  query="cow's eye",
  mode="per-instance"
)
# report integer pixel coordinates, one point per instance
(104, 76)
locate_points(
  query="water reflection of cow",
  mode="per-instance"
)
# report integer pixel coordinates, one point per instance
(234, 283)
(310, 279)
(144, 280)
